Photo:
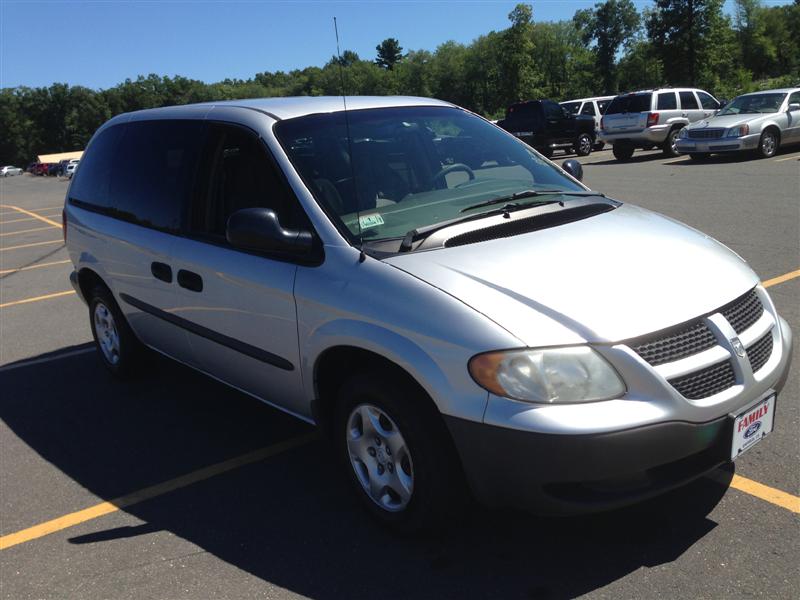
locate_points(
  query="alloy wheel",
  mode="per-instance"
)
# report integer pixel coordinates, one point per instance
(106, 332)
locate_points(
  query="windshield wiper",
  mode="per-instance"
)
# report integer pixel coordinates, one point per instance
(531, 194)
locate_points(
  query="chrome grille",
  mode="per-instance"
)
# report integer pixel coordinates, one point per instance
(759, 352)
(689, 340)
(705, 134)
(743, 312)
(705, 382)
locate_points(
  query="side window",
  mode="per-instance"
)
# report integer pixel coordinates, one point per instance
(553, 110)
(707, 102)
(588, 109)
(794, 99)
(92, 181)
(688, 101)
(237, 173)
(602, 105)
(154, 170)
(666, 101)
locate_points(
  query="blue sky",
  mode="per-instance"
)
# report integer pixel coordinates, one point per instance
(99, 43)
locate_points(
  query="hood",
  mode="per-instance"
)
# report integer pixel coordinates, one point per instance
(727, 121)
(607, 278)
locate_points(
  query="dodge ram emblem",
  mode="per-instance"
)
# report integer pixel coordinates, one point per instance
(738, 347)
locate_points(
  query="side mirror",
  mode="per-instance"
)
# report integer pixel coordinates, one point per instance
(794, 106)
(260, 229)
(574, 168)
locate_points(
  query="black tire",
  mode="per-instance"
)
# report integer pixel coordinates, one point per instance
(126, 361)
(699, 156)
(598, 146)
(622, 151)
(669, 147)
(768, 144)
(439, 493)
(583, 145)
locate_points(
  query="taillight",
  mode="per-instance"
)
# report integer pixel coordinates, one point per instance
(652, 119)
(64, 224)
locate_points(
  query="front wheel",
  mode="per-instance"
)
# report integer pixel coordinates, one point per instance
(670, 147)
(767, 144)
(583, 145)
(397, 455)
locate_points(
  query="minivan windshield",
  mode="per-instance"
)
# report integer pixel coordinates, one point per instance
(406, 168)
(755, 103)
(629, 103)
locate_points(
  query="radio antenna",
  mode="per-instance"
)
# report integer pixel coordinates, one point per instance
(361, 257)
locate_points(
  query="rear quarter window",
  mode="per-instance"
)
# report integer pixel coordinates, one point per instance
(91, 184)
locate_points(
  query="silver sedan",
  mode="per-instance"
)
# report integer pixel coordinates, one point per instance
(8, 171)
(761, 122)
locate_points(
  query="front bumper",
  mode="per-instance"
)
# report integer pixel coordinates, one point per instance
(519, 458)
(738, 144)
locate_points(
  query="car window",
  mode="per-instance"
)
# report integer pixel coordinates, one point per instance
(153, 171)
(571, 107)
(588, 109)
(387, 171)
(688, 101)
(707, 101)
(91, 184)
(629, 103)
(794, 98)
(602, 105)
(237, 173)
(768, 102)
(667, 101)
(552, 110)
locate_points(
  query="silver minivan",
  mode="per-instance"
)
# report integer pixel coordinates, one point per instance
(459, 315)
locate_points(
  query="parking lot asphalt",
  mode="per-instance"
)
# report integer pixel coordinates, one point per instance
(175, 486)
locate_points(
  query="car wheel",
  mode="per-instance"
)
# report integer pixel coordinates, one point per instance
(622, 151)
(670, 147)
(768, 144)
(397, 454)
(117, 345)
(583, 145)
(699, 156)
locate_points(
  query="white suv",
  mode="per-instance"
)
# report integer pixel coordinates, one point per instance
(650, 118)
(593, 107)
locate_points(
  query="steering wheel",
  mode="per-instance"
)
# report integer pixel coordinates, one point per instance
(452, 169)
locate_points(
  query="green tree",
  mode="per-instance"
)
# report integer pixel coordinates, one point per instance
(519, 76)
(389, 53)
(610, 25)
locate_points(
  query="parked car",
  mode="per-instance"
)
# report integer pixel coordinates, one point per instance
(53, 169)
(9, 171)
(70, 170)
(546, 126)
(593, 107)
(41, 168)
(500, 330)
(761, 121)
(653, 118)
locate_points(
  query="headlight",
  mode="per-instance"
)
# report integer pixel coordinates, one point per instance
(548, 376)
(683, 134)
(738, 131)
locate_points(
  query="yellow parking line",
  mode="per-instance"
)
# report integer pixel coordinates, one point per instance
(31, 245)
(37, 298)
(33, 214)
(19, 220)
(104, 508)
(781, 278)
(39, 266)
(769, 494)
(681, 159)
(795, 157)
(48, 228)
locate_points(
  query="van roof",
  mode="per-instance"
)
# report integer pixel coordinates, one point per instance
(298, 106)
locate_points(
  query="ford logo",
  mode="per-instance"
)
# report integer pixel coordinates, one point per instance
(751, 431)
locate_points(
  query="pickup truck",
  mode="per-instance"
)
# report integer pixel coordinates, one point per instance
(547, 126)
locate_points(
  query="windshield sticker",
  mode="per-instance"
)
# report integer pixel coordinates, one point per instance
(367, 221)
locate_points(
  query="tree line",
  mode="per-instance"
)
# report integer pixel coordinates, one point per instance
(600, 51)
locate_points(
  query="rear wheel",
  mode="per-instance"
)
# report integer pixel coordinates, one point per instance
(768, 144)
(583, 145)
(622, 151)
(397, 454)
(670, 146)
(119, 349)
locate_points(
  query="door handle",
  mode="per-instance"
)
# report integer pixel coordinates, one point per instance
(190, 281)
(161, 271)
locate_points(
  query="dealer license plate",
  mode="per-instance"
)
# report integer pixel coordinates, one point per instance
(752, 425)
